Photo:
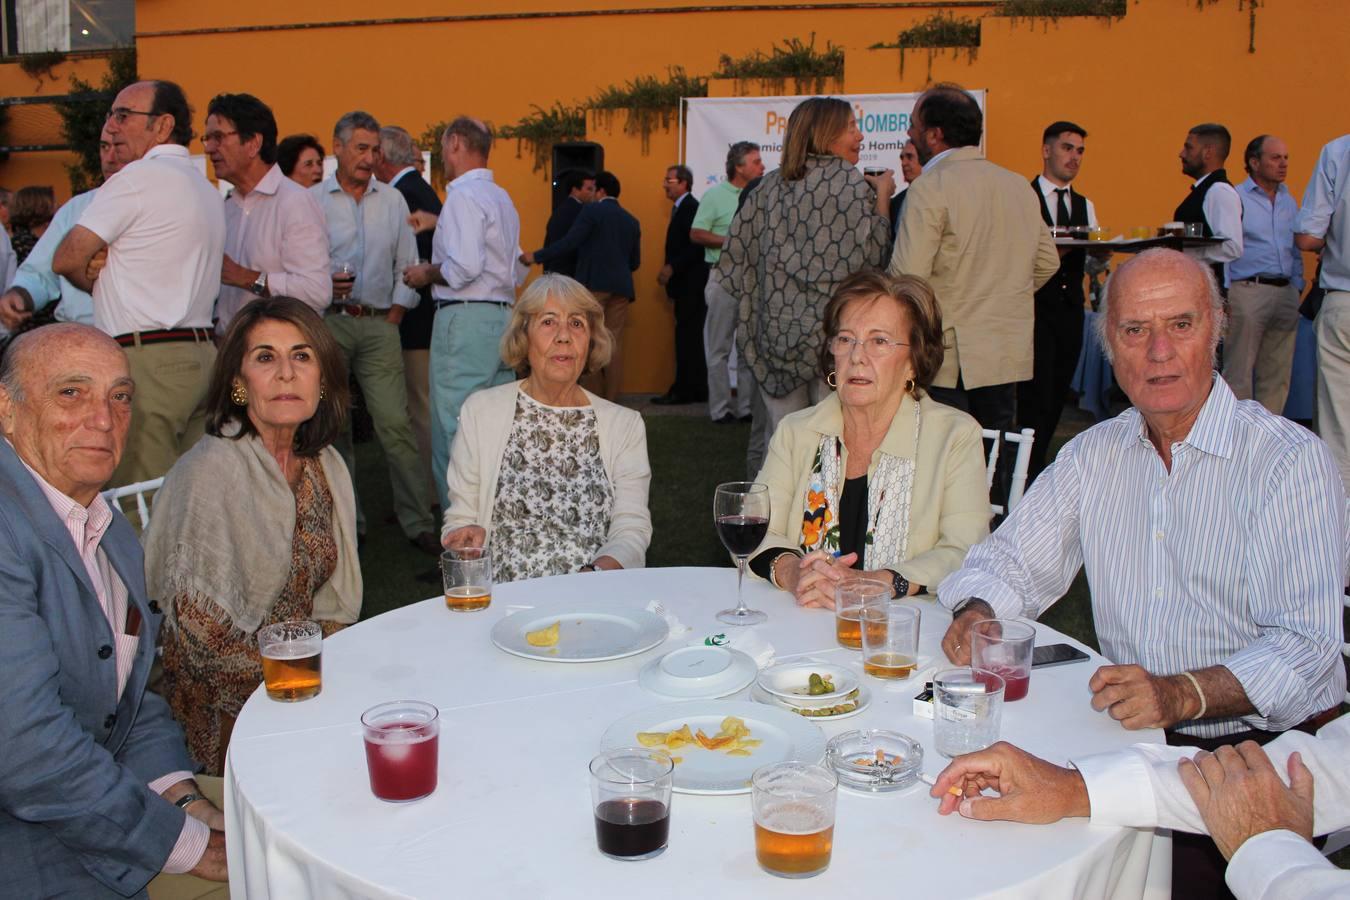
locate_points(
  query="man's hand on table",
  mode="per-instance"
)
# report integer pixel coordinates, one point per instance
(1239, 794)
(956, 642)
(466, 537)
(212, 865)
(1030, 789)
(1138, 699)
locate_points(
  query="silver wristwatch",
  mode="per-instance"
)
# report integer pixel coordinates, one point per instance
(259, 287)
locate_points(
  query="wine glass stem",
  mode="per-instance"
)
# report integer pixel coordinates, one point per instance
(741, 608)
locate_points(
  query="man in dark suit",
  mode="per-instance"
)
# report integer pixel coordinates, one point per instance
(580, 187)
(96, 795)
(397, 166)
(608, 243)
(685, 275)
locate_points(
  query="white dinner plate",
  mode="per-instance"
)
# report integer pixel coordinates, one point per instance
(789, 681)
(759, 695)
(785, 735)
(585, 634)
(698, 673)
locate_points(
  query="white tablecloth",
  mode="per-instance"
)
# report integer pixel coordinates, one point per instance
(511, 816)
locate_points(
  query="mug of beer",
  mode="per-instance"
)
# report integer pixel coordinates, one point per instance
(794, 818)
(292, 660)
(468, 578)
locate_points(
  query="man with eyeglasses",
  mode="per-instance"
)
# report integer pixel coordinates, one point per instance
(149, 249)
(276, 243)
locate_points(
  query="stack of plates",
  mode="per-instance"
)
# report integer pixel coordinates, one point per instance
(787, 686)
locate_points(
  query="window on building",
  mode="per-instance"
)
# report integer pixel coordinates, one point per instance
(43, 26)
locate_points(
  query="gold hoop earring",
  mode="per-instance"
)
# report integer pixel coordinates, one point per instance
(909, 388)
(832, 380)
(239, 394)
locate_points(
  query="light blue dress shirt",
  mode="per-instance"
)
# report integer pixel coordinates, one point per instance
(1267, 235)
(1326, 212)
(37, 278)
(1234, 558)
(374, 236)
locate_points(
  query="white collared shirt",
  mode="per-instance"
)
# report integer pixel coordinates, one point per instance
(1223, 212)
(277, 229)
(164, 225)
(1048, 189)
(477, 241)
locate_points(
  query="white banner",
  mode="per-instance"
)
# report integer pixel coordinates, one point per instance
(713, 124)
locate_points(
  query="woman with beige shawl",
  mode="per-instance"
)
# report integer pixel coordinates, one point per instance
(256, 523)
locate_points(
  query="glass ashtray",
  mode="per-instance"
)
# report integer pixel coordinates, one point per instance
(874, 760)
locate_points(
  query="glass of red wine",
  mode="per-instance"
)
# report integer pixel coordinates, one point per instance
(630, 795)
(741, 511)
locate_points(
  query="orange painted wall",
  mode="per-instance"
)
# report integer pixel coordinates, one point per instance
(1136, 84)
(47, 167)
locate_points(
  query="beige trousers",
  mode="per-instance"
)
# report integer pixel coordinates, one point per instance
(609, 380)
(190, 887)
(417, 376)
(168, 414)
(1258, 350)
(1332, 420)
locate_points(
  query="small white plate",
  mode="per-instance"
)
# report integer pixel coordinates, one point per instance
(587, 634)
(698, 673)
(788, 681)
(785, 735)
(759, 695)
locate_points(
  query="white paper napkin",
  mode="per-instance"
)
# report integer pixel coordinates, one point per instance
(673, 622)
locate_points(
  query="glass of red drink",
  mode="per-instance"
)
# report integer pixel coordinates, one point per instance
(1004, 647)
(630, 796)
(402, 747)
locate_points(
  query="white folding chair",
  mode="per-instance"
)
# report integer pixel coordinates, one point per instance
(139, 490)
(1023, 440)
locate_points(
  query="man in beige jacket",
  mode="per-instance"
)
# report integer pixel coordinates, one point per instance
(974, 231)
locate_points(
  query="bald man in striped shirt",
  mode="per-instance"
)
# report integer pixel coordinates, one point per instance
(1213, 534)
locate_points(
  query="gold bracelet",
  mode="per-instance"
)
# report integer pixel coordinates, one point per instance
(773, 568)
(1204, 705)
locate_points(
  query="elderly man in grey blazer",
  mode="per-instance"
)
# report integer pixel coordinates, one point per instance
(96, 791)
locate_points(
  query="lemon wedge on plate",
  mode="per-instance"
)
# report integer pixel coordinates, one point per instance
(544, 637)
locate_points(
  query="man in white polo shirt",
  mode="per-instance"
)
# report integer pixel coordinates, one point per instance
(162, 226)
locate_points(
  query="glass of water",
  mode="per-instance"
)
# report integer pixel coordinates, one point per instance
(967, 707)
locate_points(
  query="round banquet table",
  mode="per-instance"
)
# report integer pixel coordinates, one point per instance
(511, 816)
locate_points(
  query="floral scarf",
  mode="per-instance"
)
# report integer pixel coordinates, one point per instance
(886, 543)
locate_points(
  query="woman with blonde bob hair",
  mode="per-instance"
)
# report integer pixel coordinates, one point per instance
(554, 477)
(809, 225)
(877, 480)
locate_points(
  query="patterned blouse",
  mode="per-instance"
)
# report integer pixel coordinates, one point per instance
(790, 246)
(210, 667)
(554, 499)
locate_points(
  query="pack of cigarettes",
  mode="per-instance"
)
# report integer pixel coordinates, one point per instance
(923, 702)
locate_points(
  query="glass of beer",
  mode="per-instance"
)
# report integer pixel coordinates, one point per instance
(468, 578)
(967, 709)
(630, 796)
(292, 660)
(402, 748)
(1004, 647)
(890, 638)
(850, 596)
(794, 818)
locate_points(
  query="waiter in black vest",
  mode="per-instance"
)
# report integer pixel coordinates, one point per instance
(1058, 334)
(1213, 201)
